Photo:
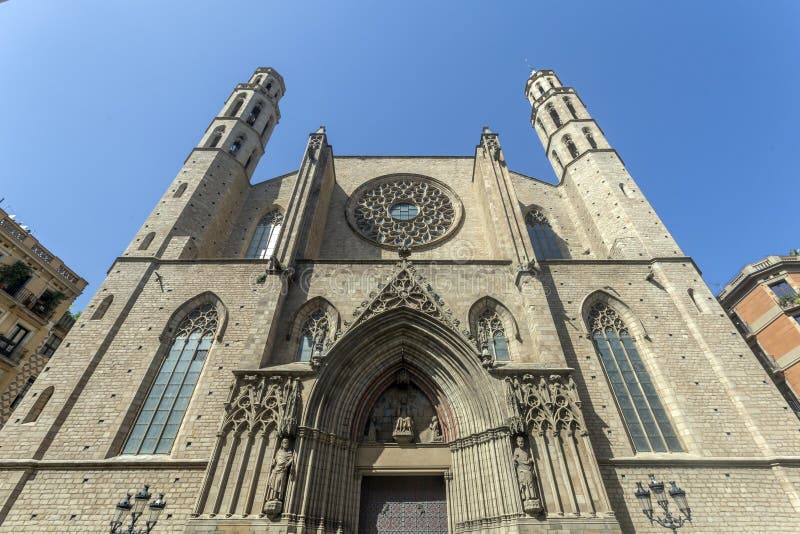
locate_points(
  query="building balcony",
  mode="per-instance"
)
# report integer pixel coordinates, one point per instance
(789, 302)
(10, 350)
(40, 305)
(66, 322)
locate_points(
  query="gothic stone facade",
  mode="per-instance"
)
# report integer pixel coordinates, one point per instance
(514, 355)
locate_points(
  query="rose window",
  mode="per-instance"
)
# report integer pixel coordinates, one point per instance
(404, 210)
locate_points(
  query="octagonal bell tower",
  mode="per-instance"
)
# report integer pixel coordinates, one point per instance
(193, 218)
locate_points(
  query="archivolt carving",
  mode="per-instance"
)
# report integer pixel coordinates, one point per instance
(541, 404)
(438, 211)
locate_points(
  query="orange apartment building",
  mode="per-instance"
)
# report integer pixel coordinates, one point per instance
(763, 301)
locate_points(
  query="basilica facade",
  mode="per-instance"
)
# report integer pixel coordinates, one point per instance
(402, 344)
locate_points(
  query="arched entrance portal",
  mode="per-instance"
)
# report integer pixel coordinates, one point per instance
(400, 398)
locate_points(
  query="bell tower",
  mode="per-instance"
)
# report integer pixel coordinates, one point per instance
(621, 222)
(193, 218)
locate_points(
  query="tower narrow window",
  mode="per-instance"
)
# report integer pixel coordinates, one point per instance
(589, 137)
(145, 244)
(235, 146)
(554, 154)
(573, 150)
(237, 105)
(553, 115)
(642, 411)
(492, 332)
(254, 113)
(540, 124)
(180, 190)
(102, 308)
(265, 238)
(542, 236)
(571, 109)
(257, 80)
(539, 88)
(38, 406)
(314, 336)
(550, 81)
(165, 406)
(215, 138)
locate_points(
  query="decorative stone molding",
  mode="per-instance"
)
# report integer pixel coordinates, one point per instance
(546, 409)
(405, 288)
(253, 456)
(544, 404)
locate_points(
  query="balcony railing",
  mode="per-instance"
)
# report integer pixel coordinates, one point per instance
(11, 350)
(66, 322)
(31, 301)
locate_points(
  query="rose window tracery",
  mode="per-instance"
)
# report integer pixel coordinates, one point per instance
(404, 210)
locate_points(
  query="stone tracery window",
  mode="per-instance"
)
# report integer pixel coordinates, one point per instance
(492, 332)
(403, 210)
(543, 238)
(163, 410)
(265, 238)
(642, 411)
(313, 336)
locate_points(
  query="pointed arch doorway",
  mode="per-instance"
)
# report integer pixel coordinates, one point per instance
(341, 459)
(405, 423)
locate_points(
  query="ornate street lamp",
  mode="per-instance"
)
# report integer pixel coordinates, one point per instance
(670, 520)
(136, 510)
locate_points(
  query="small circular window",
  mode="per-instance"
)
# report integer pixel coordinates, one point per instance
(403, 211)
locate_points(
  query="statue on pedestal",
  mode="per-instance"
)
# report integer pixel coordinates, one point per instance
(435, 430)
(523, 464)
(404, 429)
(276, 485)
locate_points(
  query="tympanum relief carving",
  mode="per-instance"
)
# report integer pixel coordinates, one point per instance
(403, 414)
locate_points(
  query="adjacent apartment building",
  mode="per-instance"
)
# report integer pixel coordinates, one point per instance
(763, 301)
(36, 290)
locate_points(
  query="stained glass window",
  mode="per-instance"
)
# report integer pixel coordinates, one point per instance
(314, 335)
(642, 411)
(543, 238)
(492, 332)
(165, 406)
(265, 238)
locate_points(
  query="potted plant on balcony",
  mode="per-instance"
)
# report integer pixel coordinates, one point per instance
(13, 276)
(48, 302)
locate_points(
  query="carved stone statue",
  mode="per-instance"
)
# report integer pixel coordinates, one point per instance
(435, 430)
(372, 430)
(276, 485)
(404, 429)
(523, 464)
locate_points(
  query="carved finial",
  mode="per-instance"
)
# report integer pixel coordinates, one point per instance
(486, 130)
(320, 130)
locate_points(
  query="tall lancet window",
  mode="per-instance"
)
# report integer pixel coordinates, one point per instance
(644, 415)
(492, 332)
(543, 238)
(265, 238)
(163, 411)
(314, 335)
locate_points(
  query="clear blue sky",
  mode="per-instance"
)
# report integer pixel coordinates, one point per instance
(102, 101)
